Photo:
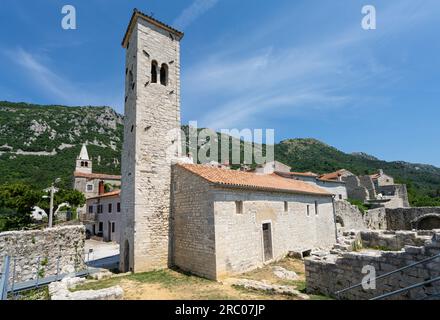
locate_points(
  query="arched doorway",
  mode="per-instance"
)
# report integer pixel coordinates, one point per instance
(429, 223)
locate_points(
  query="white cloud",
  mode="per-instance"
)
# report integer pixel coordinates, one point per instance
(191, 13)
(325, 74)
(57, 87)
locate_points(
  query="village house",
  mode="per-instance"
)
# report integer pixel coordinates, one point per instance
(104, 216)
(335, 187)
(89, 183)
(207, 220)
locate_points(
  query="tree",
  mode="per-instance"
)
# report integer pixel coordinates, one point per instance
(16, 203)
(73, 198)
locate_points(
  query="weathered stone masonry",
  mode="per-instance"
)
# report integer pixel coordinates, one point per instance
(211, 240)
(37, 251)
(334, 272)
(151, 131)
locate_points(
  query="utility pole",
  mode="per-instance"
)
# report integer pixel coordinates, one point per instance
(52, 191)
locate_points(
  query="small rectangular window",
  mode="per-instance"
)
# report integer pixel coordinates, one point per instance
(239, 207)
(113, 227)
(110, 208)
(286, 206)
(99, 208)
(118, 207)
(89, 187)
(316, 208)
(308, 210)
(90, 209)
(340, 197)
(101, 226)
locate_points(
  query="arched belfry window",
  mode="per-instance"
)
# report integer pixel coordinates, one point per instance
(164, 74)
(154, 67)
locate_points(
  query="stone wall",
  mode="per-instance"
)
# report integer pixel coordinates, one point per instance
(348, 217)
(354, 188)
(192, 224)
(239, 236)
(333, 272)
(209, 238)
(368, 184)
(151, 142)
(38, 251)
(412, 218)
(375, 219)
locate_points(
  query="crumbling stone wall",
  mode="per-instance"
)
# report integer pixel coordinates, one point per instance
(409, 218)
(348, 217)
(375, 219)
(36, 252)
(337, 271)
(368, 184)
(354, 188)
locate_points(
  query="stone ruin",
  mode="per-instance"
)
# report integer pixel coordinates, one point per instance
(385, 251)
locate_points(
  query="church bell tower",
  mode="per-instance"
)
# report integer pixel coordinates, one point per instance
(151, 141)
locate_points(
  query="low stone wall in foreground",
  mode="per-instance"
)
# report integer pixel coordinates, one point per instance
(35, 253)
(339, 270)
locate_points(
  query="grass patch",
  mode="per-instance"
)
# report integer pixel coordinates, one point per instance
(34, 294)
(381, 248)
(166, 278)
(319, 297)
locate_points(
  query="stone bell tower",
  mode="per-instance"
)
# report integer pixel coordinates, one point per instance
(151, 141)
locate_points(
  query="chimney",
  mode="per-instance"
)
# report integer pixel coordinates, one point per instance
(101, 188)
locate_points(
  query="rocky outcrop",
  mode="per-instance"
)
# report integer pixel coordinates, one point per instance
(61, 291)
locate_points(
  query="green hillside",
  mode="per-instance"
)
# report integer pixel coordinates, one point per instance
(40, 143)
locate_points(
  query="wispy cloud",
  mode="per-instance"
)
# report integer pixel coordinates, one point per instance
(54, 85)
(334, 71)
(191, 13)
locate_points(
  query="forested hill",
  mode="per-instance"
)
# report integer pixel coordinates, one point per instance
(40, 143)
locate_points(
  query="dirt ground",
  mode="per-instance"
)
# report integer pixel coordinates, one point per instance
(174, 285)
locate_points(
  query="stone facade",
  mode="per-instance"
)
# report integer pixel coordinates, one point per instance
(334, 187)
(212, 240)
(333, 272)
(355, 190)
(37, 252)
(413, 218)
(105, 215)
(348, 217)
(151, 141)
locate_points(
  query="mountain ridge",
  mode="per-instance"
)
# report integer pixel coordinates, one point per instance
(35, 139)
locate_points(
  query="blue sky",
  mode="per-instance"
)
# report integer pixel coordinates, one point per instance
(304, 68)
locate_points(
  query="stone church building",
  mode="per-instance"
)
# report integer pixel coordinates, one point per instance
(210, 221)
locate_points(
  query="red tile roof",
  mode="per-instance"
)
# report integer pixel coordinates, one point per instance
(248, 180)
(333, 175)
(104, 176)
(108, 194)
(302, 174)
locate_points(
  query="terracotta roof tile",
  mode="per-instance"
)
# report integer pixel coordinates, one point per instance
(304, 174)
(248, 180)
(331, 176)
(108, 194)
(104, 176)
